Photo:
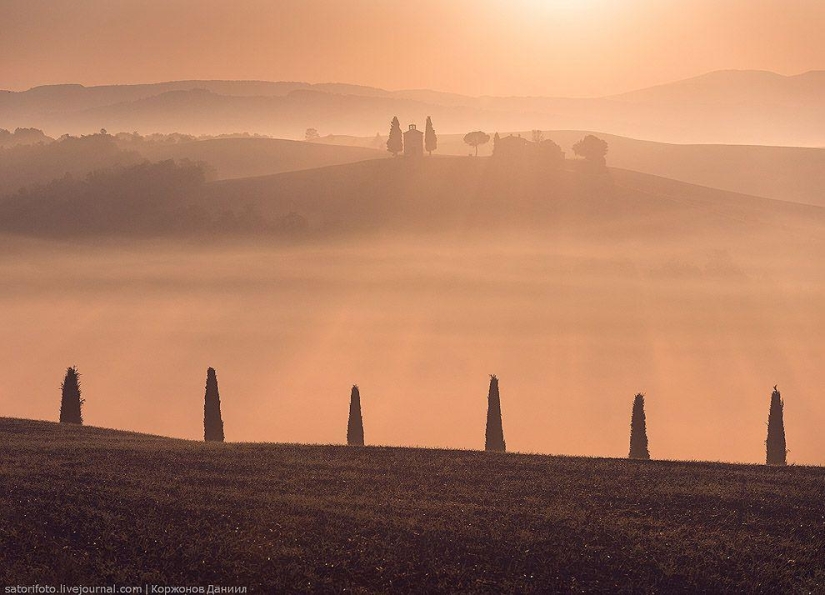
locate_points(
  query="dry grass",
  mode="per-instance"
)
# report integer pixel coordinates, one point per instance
(85, 505)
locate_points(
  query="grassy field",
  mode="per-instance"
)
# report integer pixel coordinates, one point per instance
(94, 506)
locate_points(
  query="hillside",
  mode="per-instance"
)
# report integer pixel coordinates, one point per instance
(41, 163)
(91, 506)
(247, 157)
(795, 174)
(416, 280)
(725, 107)
(466, 193)
(737, 87)
(390, 195)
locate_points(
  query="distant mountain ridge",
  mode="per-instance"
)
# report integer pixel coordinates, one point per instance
(730, 107)
(737, 86)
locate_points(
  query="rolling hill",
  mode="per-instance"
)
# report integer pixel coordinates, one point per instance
(82, 505)
(469, 193)
(435, 195)
(795, 174)
(41, 163)
(726, 107)
(248, 157)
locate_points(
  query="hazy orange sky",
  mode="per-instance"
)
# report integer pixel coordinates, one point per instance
(497, 47)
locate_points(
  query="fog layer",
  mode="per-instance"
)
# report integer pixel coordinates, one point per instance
(573, 329)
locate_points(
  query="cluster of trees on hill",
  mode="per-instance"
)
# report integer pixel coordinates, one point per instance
(176, 137)
(38, 163)
(22, 136)
(514, 147)
(395, 140)
(213, 429)
(147, 199)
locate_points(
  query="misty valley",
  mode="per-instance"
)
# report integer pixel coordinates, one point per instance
(477, 296)
(416, 280)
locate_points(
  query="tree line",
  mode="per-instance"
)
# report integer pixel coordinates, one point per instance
(71, 404)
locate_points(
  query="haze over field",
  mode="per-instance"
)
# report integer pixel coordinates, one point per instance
(733, 107)
(416, 282)
(187, 223)
(435, 296)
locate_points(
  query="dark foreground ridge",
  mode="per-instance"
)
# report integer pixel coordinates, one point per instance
(82, 505)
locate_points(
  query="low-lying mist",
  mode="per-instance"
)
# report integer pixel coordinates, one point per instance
(573, 329)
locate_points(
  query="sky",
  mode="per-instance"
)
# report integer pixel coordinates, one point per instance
(475, 47)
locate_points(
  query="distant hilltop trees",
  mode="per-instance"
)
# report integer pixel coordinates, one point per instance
(430, 138)
(412, 142)
(22, 136)
(476, 139)
(593, 149)
(146, 199)
(517, 148)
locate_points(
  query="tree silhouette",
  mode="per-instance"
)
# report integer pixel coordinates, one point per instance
(592, 148)
(494, 436)
(212, 422)
(71, 401)
(311, 135)
(638, 430)
(474, 139)
(395, 142)
(538, 136)
(355, 425)
(496, 139)
(430, 139)
(775, 443)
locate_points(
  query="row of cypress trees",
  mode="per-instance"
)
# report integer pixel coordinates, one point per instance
(71, 402)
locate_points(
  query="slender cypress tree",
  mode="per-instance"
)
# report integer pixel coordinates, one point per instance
(430, 139)
(355, 425)
(212, 422)
(775, 443)
(638, 430)
(494, 436)
(71, 401)
(395, 142)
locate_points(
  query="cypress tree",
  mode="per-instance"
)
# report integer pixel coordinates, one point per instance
(395, 142)
(775, 443)
(212, 422)
(355, 425)
(430, 139)
(638, 430)
(71, 401)
(494, 436)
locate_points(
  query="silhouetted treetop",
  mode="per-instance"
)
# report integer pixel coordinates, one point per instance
(147, 199)
(355, 423)
(71, 401)
(775, 443)
(638, 430)
(494, 433)
(474, 139)
(212, 420)
(430, 139)
(395, 142)
(592, 148)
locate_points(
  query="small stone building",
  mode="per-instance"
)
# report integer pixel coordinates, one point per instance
(413, 142)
